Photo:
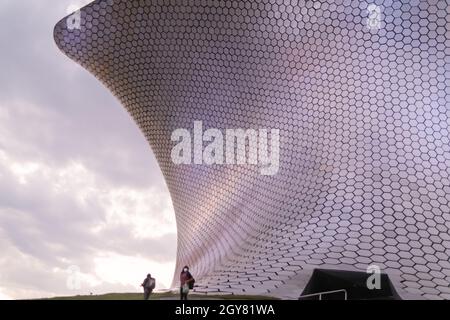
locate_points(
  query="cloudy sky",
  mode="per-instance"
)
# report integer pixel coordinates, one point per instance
(83, 205)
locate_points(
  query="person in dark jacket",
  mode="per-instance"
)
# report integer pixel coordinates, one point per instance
(186, 282)
(148, 284)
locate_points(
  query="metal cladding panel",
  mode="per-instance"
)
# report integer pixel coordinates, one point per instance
(363, 115)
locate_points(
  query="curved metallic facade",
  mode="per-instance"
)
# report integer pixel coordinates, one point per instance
(363, 114)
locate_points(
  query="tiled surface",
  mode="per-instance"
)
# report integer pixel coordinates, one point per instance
(363, 116)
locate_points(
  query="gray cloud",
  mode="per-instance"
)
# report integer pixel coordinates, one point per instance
(76, 115)
(54, 117)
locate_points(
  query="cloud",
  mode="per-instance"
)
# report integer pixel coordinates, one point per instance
(79, 185)
(57, 105)
(55, 217)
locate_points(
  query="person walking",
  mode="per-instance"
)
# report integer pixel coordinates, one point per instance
(186, 283)
(148, 284)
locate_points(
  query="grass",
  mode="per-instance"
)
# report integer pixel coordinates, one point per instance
(160, 296)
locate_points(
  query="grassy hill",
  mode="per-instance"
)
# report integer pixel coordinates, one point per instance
(159, 296)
